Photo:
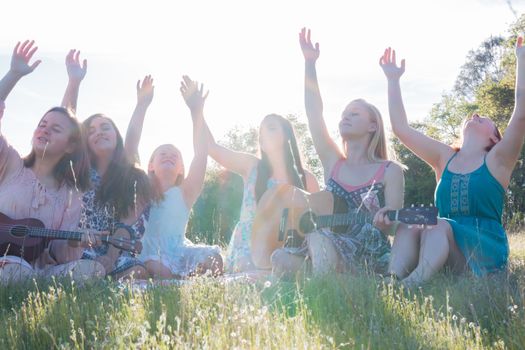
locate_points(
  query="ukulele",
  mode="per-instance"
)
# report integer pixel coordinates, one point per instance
(285, 214)
(26, 238)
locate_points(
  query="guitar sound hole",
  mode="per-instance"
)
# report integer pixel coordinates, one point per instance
(19, 231)
(308, 222)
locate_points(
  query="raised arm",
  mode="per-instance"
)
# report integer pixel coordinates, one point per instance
(195, 98)
(20, 66)
(433, 152)
(327, 149)
(76, 73)
(238, 162)
(10, 160)
(145, 91)
(505, 153)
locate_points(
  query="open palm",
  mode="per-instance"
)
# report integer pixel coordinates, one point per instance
(389, 65)
(310, 52)
(22, 54)
(75, 71)
(145, 91)
(192, 94)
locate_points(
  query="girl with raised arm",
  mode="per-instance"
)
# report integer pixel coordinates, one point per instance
(470, 191)
(166, 252)
(360, 176)
(279, 163)
(120, 194)
(45, 185)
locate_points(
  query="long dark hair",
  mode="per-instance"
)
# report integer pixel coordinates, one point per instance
(292, 157)
(73, 168)
(123, 184)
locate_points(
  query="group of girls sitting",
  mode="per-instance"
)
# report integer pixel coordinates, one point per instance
(84, 177)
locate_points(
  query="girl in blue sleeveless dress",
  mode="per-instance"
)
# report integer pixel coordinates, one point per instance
(360, 176)
(470, 191)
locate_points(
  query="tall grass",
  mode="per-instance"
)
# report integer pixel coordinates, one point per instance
(351, 312)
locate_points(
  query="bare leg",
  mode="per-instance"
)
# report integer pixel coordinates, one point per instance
(285, 264)
(405, 251)
(14, 273)
(325, 258)
(79, 270)
(438, 248)
(158, 270)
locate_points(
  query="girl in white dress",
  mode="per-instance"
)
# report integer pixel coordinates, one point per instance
(166, 252)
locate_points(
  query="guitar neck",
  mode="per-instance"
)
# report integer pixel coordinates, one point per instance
(57, 234)
(360, 217)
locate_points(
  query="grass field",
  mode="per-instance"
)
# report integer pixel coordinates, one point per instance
(355, 312)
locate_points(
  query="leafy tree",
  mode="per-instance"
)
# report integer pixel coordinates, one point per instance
(420, 180)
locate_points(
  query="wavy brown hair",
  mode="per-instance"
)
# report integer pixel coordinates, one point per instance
(73, 168)
(123, 184)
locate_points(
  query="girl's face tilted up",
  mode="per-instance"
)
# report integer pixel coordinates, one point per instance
(271, 135)
(52, 137)
(166, 163)
(356, 121)
(481, 128)
(102, 136)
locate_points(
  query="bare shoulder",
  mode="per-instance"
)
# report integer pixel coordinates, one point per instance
(393, 171)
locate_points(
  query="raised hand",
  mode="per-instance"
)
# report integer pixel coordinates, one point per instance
(310, 52)
(388, 63)
(75, 71)
(145, 91)
(22, 54)
(192, 94)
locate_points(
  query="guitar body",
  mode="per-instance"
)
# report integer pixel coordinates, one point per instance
(14, 238)
(296, 206)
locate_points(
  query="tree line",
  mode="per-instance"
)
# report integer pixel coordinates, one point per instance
(485, 85)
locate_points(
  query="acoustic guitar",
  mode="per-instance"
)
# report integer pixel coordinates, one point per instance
(26, 238)
(285, 214)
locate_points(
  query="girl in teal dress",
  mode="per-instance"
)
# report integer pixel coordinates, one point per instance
(470, 191)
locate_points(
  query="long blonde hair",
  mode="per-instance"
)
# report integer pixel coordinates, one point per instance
(377, 147)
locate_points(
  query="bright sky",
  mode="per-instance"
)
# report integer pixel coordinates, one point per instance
(246, 53)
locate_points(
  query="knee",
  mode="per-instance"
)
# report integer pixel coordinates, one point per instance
(278, 258)
(410, 231)
(14, 273)
(441, 231)
(89, 268)
(317, 243)
(316, 240)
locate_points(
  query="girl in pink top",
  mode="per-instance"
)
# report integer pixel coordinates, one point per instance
(46, 184)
